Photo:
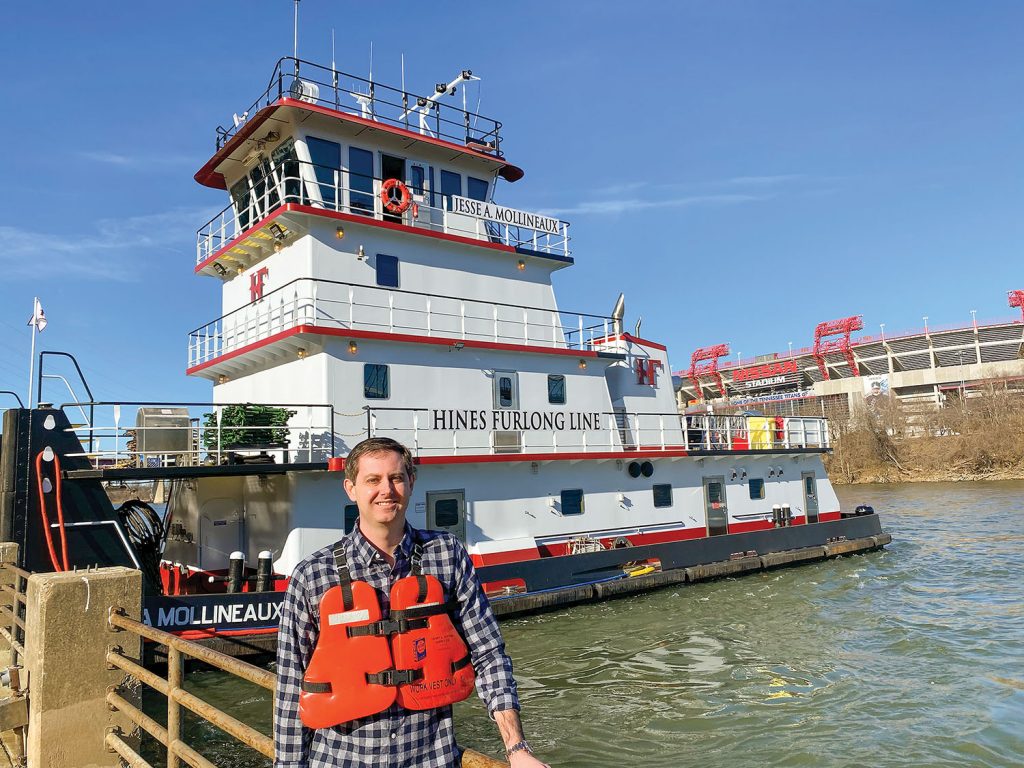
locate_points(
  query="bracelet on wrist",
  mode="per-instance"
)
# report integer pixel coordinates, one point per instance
(519, 746)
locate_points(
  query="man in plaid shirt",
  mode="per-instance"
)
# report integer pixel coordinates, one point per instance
(379, 476)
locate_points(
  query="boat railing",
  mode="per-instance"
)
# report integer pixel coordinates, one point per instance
(298, 182)
(443, 432)
(358, 307)
(137, 435)
(364, 98)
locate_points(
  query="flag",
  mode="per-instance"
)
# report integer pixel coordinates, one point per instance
(38, 318)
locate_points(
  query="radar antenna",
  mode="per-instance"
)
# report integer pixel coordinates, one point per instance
(425, 104)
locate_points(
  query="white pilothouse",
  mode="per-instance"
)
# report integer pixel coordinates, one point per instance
(373, 285)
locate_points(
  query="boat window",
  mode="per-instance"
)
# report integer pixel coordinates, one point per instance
(417, 177)
(476, 189)
(387, 270)
(265, 198)
(360, 180)
(715, 493)
(572, 502)
(242, 197)
(505, 391)
(451, 184)
(809, 485)
(756, 488)
(351, 516)
(556, 390)
(662, 495)
(446, 513)
(286, 170)
(326, 158)
(375, 382)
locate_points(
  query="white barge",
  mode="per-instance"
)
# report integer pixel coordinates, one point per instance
(373, 285)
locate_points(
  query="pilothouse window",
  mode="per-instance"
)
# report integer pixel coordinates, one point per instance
(326, 157)
(476, 189)
(451, 184)
(360, 180)
(417, 179)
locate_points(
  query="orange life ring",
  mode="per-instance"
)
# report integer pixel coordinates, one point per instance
(395, 196)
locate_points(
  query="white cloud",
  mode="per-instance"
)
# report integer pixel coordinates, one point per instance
(611, 207)
(764, 181)
(135, 161)
(102, 253)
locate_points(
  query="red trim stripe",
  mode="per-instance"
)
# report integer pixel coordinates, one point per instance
(398, 337)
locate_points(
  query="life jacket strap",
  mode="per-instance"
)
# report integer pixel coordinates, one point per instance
(344, 576)
(386, 627)
(421, 611)
(309, 686)
(461, 663)
(394, 677)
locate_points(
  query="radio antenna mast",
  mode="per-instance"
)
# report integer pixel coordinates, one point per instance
(295, 35)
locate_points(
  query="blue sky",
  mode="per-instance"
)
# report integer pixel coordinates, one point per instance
(741, 170)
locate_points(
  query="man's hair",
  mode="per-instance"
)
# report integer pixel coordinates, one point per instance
(377, 445)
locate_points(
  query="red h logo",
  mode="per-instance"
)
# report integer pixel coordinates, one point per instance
(256, 283)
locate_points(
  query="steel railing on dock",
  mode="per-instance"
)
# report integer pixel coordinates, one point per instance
(177, 697)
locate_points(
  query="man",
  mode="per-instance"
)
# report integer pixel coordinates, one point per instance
(380, 550)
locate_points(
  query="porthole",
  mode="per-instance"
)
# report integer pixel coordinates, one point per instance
(634, 469)
(647, 469)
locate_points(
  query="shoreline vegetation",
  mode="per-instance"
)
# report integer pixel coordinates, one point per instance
(981, 438)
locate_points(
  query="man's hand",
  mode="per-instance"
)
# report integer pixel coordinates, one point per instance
(511, 730)
(523, 759)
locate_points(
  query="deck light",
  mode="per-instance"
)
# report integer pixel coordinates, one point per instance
(520, 265)
(339, 232)
(277, 231)
(361, 254)
(301, 352)
(222, 379)
(219, 268)
(583, 365)
(278, 246)
(352, 347)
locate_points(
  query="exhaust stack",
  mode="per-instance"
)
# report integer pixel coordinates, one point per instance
(618, 313)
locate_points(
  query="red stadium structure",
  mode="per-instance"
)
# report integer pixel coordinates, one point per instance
(843, 328)
(698, 368)
(1017, 300)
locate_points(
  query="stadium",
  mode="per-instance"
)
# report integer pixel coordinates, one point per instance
(920, 370)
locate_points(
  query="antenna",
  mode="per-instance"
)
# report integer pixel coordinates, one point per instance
(295, 35)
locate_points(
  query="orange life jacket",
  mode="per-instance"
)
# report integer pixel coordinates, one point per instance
(362, 664)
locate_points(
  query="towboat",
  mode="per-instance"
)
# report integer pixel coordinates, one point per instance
(373, 285)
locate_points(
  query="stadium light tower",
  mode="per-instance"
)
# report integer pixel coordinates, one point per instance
(790, 348)
(974, 318)
(925, 318)
(882, 326)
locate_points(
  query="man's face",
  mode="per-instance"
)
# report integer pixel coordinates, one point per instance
(381, 489)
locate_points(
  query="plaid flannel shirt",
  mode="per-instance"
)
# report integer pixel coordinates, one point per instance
(396, 737)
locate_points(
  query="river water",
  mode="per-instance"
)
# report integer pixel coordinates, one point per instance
(913, 656)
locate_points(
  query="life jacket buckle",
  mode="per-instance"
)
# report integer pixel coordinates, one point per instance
(395, 677)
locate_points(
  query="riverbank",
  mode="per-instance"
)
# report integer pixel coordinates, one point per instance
(982, 441)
